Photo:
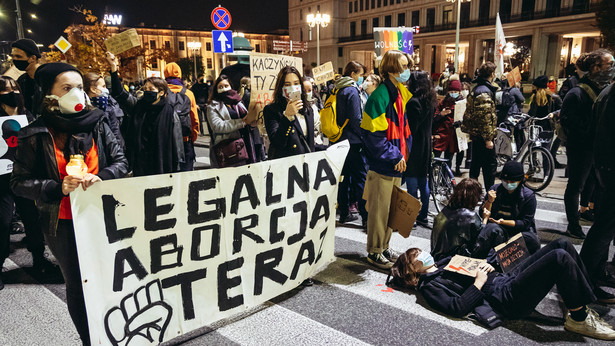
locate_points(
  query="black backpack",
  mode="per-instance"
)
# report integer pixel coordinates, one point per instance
(181, 106)
(506, 103)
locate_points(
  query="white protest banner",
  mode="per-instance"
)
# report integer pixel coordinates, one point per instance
(163, 255)
(264, 70)
(123, 41)
(9, 128)
(323, 73)
(462, 137)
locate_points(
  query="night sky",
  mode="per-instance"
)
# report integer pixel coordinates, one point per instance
(253, 16)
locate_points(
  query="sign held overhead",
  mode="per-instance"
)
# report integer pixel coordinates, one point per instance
(123, 41)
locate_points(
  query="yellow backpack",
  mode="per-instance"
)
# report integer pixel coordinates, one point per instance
(328, 119)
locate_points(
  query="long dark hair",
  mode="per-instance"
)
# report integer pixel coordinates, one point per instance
(403, 273)
(420, 85)
(213, 90)
(279, 99)
(5, 82)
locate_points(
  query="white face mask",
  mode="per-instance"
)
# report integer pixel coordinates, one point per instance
(223, 89)
(309, 96)
(290, 89)
(465, 93)
(72, 102)
(104, 92)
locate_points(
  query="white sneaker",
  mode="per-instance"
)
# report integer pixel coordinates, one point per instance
(593, 326)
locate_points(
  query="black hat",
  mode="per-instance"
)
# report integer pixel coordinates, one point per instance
(541, 82)
(512, 171)
(46, 74)
(28, 46)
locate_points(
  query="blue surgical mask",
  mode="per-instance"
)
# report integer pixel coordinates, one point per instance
(404, 76)
(425, 258)
(360, 81)
(510, 186)
(454, 95)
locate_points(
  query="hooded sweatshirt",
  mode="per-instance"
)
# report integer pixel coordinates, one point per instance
(173, 74)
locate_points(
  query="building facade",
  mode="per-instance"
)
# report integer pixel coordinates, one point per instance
(544, 35)
(182, 42)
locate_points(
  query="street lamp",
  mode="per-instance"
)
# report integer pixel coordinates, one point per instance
(194, 46)
(317, 21)
(33, 16)
(457, 33)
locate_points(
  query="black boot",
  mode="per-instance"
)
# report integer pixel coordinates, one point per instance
(45, 270)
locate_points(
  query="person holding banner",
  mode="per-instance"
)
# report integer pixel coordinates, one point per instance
(493, 296)
(68, 127)
(387, 141)
(290, 125)
(154, 142)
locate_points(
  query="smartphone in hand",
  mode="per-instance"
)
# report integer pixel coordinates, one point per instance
(294, 95)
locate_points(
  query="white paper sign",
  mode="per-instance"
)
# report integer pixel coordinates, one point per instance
(163, 255)
(462, 137)
(9, 128)
(264, 69)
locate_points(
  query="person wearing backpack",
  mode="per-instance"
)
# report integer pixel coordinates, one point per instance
(387, 143)
(480, 121)
(350, 112)
(154, 141)
(186, 110)
(575, 118)
(543, 102)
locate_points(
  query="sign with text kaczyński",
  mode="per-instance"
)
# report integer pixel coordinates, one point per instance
(164, 255)
(386, 39)
(9, 126)
(264, 70)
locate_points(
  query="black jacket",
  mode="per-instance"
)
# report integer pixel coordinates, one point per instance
(575, 117)
(519, 206)
(116, 116)
(35, 171)
(420, 118)
(455, 232)
(568, 84)
(286, 136)
(604, 142)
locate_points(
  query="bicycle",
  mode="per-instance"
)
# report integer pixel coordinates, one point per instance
(538, 164)
(441, 182)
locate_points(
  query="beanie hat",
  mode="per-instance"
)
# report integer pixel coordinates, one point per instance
(46, 74)
(512, 171)
(454, 85)
(28, 46)
(541, 82)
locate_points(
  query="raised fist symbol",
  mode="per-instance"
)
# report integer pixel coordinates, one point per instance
(141, 319)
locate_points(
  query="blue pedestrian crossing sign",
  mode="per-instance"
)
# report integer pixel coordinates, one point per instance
(223, 41)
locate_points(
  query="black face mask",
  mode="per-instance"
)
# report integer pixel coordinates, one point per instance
(149, 96)
(21, 65)
(9, 99)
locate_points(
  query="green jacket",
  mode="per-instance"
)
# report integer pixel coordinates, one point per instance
(480, 117)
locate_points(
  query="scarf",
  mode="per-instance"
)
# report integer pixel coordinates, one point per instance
(230, 97)
(78, 128)
(174, 81)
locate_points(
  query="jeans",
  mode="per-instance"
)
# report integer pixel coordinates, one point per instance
(414, 185)
(354, 172)
(517, 293)
(579, 168)
(595, 248)
(190, 157)
(64, 249)
(483, 158)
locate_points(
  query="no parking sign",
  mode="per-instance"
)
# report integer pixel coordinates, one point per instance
(221, 18)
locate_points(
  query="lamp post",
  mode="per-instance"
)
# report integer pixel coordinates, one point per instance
(317, 21)
(194, 46)
(457, 33)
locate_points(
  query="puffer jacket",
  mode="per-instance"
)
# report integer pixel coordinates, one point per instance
(35, 170)
(480, 118)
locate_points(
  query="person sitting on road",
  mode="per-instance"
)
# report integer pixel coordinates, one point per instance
(510, 208)
(493, 296)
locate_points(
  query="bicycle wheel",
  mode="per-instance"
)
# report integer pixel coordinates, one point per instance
(442, 185)
(538, 167)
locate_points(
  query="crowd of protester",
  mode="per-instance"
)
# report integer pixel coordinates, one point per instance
(394, 122)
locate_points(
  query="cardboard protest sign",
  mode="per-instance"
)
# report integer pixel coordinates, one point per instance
(323, 73)
(403, 212)
(464, 265)
(9, 128)
(164, 255)
(511, 253)
(514, 76)
(264, 69)
(123, 41)
(462, 137)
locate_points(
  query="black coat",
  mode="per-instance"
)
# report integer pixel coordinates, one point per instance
(604, 142)
(35, 170)
(575, 117)
(420, 118)
(286, 136)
